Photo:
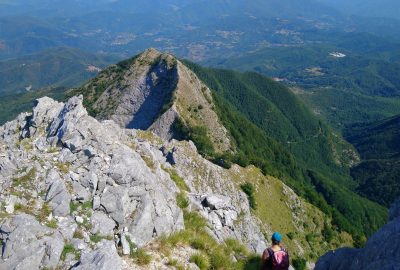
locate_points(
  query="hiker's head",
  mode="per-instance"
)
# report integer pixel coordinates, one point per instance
(276, 238)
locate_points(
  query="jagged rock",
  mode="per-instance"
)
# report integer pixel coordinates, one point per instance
(67, 226)
(216, 202)
(6, 166)
(381, 251)
(221, 211)
(29, 245)
(127, 167)
(96, 202)
(78, 158)
(163, 126)
(57, 195)
(102, 224)
(126, 248)
(42, 144)
(117, 203)
(79, 244)
(105, 257)
(53, 250)
(10, 203)
(45, 110)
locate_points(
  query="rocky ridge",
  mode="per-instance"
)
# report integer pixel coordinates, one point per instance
(150, 92)
(85, 194)
(68, 180)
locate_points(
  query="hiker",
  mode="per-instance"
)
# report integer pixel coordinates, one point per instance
(276, 257)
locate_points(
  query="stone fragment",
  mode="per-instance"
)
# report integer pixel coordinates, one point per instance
(104, 257)
(102, 224)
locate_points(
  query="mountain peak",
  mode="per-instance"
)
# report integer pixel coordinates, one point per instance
(154, 91)
(152, 54)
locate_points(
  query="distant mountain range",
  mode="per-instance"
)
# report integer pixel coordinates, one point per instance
(196, 30)
(361, 86)
(367, 8)
(61, 66)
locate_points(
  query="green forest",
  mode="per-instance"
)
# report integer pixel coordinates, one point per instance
(262, 117)
(379, 146)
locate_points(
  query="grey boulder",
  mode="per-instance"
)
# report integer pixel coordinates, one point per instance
(104, 257)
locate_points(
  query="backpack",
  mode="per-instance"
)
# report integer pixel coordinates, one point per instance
(279, 259)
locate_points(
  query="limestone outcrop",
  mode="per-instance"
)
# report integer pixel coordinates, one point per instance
(78, 193)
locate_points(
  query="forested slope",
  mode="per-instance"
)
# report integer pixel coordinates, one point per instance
(316, 167)
(379, 146)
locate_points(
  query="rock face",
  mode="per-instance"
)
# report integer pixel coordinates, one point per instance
(216, 197)
(67, 176)
(381, 251)
(28, 244)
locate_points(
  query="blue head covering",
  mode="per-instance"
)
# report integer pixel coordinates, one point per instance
(276, 237)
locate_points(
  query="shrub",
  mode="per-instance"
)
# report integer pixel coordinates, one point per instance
(96, 238)
(249, 189)
(193, 221)
(328, 233)
(219, 259)
(182, 201)
(236, 247)
(200, 260)
(44, 213)
(78, 234)
(68, 248)
(179, 181)
(198, 134)
(299, 263)
(141, 257)
(52, 224)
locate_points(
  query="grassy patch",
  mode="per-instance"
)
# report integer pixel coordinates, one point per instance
(179, 181)
(26, 144)
(149, 162)
(87, 205)
(63, 167)
(96, 238)
(73, 206)
(69, 249)
(28, 209)
(201, 260)
(249, 189)
(182, 200)
(175, 263)
(141, 257)
(52, 224)
(44, 213)
(86, 224)
(211, 255)
(299, 263)
(78, 234)
(24, 180)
